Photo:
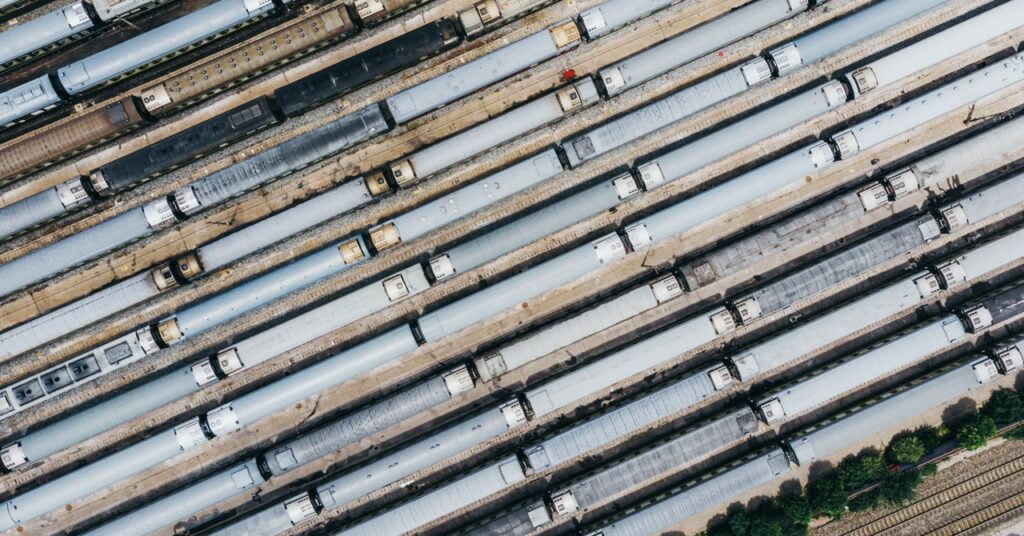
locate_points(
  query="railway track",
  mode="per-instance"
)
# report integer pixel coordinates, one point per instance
(948, 495)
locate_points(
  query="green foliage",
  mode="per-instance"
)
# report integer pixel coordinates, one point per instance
(868, 500)
(907, 449)
(930, 437)
(928, 470)
(1004, 407)
(900, 488)
(975, 432)
(857, 471)
(796, 508)
(827, 495)
(1017, 434)
(764, 525)
(739, 522)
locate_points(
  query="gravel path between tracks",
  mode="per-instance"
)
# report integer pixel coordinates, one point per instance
(950, 474)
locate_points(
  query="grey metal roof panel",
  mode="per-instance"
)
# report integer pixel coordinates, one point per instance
(976, 150)
(837, 268)
(532, 226)
(463, 80)
(332, 371)
(30, 211)
(621, 422)
(833, 326)
(711, 493)
(470, 198)
(322, 320)
(358, 425)
(654, 116)
(662, 461)
(313, 211)
(77, 314)
(860, 25)
(650, 352)
(948, 43)
(948, 387)
(992, 255)
(514, 522)
(729, 195)
(782, 236)
(483, 137)
(570, 330)
(83, 424)
(748, 131)
(143, 48)
(89, 478)
(185, 502)
(433, 449)
(870, 367)
(291, 155)
(75, 249)
(441, 501)
(994, 199)
(697, 42)
(261, 290)
(1006, 305)
(933, 104)
(546, 276)
(43, 30)
(26, 98)
(615, 13)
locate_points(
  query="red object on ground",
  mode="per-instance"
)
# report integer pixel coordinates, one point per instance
(568, 74)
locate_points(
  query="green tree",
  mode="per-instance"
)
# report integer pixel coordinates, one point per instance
(796, 508)
(930, 437)
(764, 525)
(827, 495)
(859, 470)
(975, 432)
(907, 449)
(1017, 434)
(739, 522)
(900, 488)
(1005, 406)
(868, 500)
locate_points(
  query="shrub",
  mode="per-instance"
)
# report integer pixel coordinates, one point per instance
(975, 432)
(907, 449)
(1005, 406)
(739, 522)
(764, 525)
(1016, 434)
(900, 488)
(930, 437)
(857, 471)
(827, 495)
(928, 470)
(869, 500)
(796, 508)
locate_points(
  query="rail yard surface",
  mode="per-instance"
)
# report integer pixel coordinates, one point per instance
(503, 267)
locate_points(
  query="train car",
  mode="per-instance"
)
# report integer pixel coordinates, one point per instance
(611, 15)
(481, 72)
(384, 59)
(246, 353)
(486, 15)
(455, 205)
(120, 174)
(49, 30)
(494, 132)
(114, 62)
(108, 10)
(185, 268)
(185, 146)
(442, 500)
(533, 226)
(256, 56)
(28, 99)
(35, 150)
(128, 226)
